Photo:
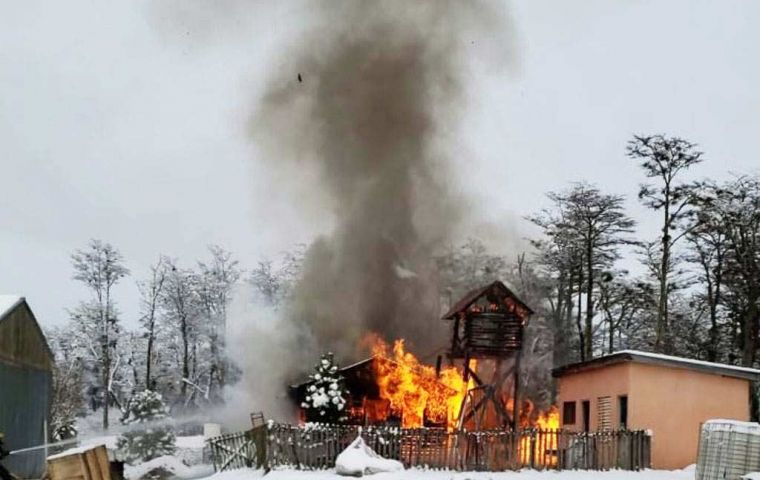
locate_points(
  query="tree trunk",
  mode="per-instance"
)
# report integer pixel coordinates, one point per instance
(558, 316)
(106, 340)
(661, 341)
(611, 348)
(105, 376)
(185, 358)
(589, 298)
(582, 346)
(568, 315)
(149, 354)
(749, 327)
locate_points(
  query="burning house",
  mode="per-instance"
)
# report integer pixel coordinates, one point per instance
(382, 390)
(477, 389)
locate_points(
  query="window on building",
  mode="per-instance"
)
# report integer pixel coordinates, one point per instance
(604, 413)
(586, 405)
(568, 413)
(623, 409)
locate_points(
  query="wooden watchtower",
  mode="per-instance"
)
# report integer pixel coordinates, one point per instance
(487, 325)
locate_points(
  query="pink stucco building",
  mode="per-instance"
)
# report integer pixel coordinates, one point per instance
(670, 396)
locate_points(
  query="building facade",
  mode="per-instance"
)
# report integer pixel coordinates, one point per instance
(26, 366)
(669, 396)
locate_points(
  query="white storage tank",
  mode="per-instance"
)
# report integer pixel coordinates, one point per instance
(728, 449)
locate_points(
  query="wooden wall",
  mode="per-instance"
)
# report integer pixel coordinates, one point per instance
(21, 340)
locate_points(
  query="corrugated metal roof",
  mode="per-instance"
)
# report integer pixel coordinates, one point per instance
(659, 359)
(8, 303)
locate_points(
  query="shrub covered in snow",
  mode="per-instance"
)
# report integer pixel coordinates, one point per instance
(326, 394)
(148, 437)
(64, 429)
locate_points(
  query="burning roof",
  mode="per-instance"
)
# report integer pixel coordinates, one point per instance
(394, 386)
(493, 291)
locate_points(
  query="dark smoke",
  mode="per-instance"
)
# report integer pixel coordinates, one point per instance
(368, 103)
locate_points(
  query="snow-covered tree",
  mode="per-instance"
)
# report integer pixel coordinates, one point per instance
(148, 437)
(273, 281)
(326, 395)
(182, 315)
(100, 267)
(67, 386)
(151, 291)
(216, 280)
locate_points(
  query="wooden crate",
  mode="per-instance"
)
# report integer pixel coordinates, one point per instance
(82, 464)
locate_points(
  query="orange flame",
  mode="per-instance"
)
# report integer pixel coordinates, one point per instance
(415, 393)
(544, 450)
(548, 420)
(413, 390)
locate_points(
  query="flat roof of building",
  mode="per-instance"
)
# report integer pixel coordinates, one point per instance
(661, 360)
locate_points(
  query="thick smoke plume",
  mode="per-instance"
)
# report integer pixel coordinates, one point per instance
(363, 110)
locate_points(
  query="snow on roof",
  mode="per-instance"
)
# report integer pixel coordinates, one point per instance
(8, 303)
(666, 360)
(74, 451)
(725, 425)
(658, 356)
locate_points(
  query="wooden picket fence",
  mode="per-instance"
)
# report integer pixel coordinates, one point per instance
(239, 450)
(315, 447)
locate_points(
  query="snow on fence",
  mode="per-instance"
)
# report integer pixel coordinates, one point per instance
(239, 450)
(315, 447)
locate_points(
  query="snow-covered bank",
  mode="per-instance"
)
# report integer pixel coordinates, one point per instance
(172, 465)
(413, 474)
(186, 463)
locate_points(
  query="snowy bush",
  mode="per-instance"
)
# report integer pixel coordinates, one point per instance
(148, 437)
(326, 394)
(64, 429)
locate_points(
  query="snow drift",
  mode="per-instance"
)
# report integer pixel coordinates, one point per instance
(359, 459)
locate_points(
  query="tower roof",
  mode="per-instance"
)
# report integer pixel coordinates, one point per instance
(496, 288)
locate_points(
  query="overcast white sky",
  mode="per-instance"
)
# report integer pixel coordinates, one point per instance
(125, 121)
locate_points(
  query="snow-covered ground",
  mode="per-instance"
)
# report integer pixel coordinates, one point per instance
(187, 464)
(687, 474)
(171, 464)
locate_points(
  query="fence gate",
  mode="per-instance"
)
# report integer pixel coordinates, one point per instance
(239, 450)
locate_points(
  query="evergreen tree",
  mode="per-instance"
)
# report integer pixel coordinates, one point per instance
(326, 396)
(143, 444)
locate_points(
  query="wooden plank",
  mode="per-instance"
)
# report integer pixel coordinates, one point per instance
(68, 467)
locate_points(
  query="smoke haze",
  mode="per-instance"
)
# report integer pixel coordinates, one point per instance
(360, 113)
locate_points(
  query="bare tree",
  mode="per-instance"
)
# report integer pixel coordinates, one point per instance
(596, 226)
(151, 292)
(664, 158)
(181, 307)
(733, 211)
(558, 260)
(620, 301)
(100, 267)
(709, 250)
(467, 266)
(68, 383)
(274, 281)
(216, 280)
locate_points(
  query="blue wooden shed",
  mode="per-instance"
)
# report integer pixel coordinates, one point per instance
(26, 375)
